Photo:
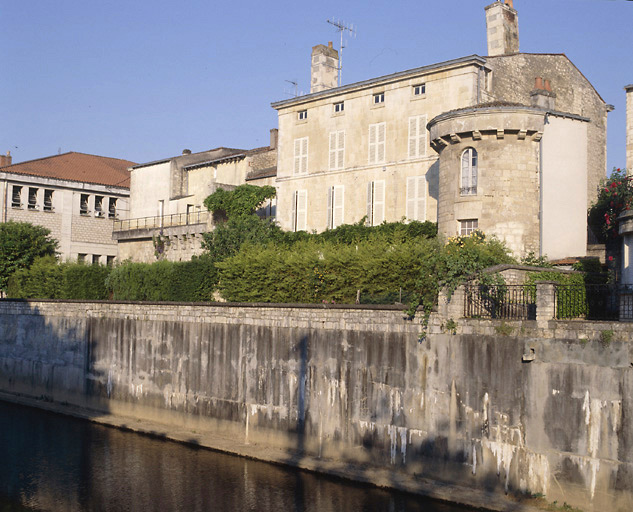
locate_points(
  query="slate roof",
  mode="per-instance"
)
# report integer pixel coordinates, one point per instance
(81, 167)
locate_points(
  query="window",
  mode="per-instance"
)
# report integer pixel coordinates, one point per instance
(337, 150)
(379, 98)
(112, 208)
(32, 204)
(302, 115)
(83, 204)
(110, 261)
(16, 197)
(419, 90)
(339, 107)
(469, 172)
(377, 143)
(467, 226)
(375, 202)
(95, 259)
(335, 202)
(299, 210)
(99, 211)
(48, 200)
(416, 198)
(81, 258)
(417, 136)
(301, 155)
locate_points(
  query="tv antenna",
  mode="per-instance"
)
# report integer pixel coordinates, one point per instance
(341, 27)
(295, 83)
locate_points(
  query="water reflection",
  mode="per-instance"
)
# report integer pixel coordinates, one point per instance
(51, 462)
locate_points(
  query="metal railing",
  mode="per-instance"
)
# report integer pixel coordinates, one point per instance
(594, 302)
(165, 221)
(510, 302)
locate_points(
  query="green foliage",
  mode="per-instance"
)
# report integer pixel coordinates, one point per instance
(243, 200)
(20, 244)
(504, 329)
(49, 279)
(615, 196)
(532, 260)
(187, 281)
(606, 337)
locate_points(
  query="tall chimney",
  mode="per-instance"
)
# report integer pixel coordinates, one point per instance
(5, 160)
(502, 25)
(324, 68)
(629, 128)
(274, 137)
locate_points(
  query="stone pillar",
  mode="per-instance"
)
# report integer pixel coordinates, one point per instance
(545, 301)
(502, 26)
(324, 73)
(629, 128)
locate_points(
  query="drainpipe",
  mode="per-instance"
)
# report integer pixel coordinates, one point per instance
(540, 173)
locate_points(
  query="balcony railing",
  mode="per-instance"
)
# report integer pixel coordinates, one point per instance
(165, 221)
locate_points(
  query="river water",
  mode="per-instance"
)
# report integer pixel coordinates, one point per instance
(57, 463)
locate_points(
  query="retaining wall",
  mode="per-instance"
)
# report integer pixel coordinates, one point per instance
(502, 407)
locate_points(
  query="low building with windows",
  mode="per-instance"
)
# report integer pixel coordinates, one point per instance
(364, 149)
(167, 215)
(75, 195)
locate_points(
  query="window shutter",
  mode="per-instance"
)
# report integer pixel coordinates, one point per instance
(338, 203)
(379, 202)
(421, 136)
(474, 169)
(381, 143)
(302, 209)
(421, 202)
(413, 137)
(370, 203)
(333, 148)
(297, 156)
(341, 150)
(373, 136)
(411, 198)
(294, 211)
(330, 191)
(304, 155)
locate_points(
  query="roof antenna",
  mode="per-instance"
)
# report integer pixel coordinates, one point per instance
(59, 151)
(341, 27)
(295, 83)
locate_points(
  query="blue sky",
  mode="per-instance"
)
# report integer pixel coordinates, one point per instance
(143, 80)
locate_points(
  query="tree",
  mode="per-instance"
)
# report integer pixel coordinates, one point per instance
(243, 200)
(614, 197)
(20, 244)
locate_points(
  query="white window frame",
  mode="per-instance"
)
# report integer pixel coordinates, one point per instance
(339, 107)
(378, 98)
(335, 206)
(337, 150)
(469, 175)
(301, 147)
(377, 145)
(467, 226)
(299, 215)
(417, 136)
(302, 115)
(375, 202)
(416, 198)
(419, 90)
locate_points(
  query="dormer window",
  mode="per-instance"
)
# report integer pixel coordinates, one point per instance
(302, 115)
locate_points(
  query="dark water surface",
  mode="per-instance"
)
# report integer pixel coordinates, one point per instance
(52, 462)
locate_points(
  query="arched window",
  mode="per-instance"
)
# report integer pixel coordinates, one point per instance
(469, 172)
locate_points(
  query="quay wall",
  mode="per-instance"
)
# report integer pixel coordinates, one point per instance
(495, 407)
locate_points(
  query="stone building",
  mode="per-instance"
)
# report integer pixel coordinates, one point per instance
(629, 128)
(167, 216)
(364, 149)
(77, 196)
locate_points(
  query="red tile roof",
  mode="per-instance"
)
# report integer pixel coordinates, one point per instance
(100, 170)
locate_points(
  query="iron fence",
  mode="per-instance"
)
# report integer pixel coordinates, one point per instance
(510, 302)
(594, 302)
(164, 221)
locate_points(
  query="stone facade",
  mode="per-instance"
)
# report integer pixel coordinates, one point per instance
(502, 25)
(629, 128)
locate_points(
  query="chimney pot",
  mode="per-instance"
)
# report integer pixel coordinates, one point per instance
(509, 3)
(538, 83)
(186, 151)
(329, 44)
(548, 86)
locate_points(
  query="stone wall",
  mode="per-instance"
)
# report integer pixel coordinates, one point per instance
(357, 386)
(629, 128)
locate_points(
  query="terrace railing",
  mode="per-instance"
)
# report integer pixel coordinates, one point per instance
(511, 302)
(594, 302)
(164, 221)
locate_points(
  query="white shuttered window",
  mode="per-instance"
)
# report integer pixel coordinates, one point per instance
(299, 210)
(417, 136)
(377, 143)
(337, 150)
(335, 206)
(301, 155)
(375, 202)
(416, 198)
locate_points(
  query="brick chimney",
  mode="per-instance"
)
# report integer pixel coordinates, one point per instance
(5, 160)
(324, 68)
(542, 94)
(502, 25)
(629, 128)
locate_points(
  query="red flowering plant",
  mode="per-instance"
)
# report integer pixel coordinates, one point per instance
(615, 196)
